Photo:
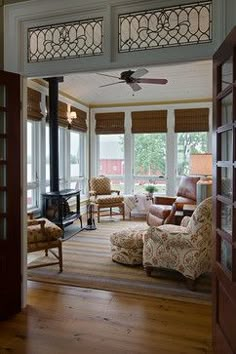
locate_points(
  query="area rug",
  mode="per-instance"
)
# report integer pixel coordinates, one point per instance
(87, 263)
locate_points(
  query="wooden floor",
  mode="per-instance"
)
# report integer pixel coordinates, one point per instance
(61, 320)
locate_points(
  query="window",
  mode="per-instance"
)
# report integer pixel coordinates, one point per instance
(32, 164)
(188, 143)
(150, 162)
(77, 165)
(111, 159)
(154, 146)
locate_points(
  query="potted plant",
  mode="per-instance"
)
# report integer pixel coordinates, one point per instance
(150, 188)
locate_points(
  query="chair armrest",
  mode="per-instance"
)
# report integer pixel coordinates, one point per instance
(185, 221)
(92, 193)
(36, 222)
(161, 236)
(115, 191)
(30, 215)
(164, 200)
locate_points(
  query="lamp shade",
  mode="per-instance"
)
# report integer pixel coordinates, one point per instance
(201, 164)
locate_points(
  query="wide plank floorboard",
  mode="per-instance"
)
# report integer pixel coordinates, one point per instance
(62, 319)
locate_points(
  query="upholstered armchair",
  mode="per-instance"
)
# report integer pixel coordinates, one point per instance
(103, 197)
(185, 248)
(164, 208)
(42, 234)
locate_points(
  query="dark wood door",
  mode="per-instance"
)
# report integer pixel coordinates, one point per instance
(10, 221)
(224, 122)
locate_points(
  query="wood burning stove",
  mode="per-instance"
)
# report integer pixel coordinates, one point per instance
(56, 207)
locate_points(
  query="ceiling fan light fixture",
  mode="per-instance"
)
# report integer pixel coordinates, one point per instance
(133, 79)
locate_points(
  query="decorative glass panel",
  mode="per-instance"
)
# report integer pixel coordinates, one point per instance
(227, 73)
(226, 109)
(226, 182)
(3, 229)
(226, 146)
(2, 96)
(166, 27)
(65, 40)
(2, 149)
(226, 218)
(3, 203)
(226, 255)
(2, 175)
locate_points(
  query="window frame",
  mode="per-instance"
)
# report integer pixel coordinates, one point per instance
(171, 147)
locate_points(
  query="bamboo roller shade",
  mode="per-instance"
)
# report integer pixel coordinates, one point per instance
(110, 123)
(149, 121)
(79, 123)
(62, 113)
(192, 120)
(33, 105)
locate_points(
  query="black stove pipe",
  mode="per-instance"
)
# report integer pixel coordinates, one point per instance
(53, 132)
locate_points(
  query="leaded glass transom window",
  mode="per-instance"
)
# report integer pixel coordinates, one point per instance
(165, 27)
(65, 40)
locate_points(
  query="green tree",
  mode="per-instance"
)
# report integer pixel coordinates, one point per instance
(150, 154)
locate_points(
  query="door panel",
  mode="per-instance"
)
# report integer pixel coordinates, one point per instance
(224, 196)
(10, 223)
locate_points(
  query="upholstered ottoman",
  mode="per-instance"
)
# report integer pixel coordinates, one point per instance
(127, 245)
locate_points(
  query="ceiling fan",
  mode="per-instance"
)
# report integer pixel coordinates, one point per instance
(133, 79)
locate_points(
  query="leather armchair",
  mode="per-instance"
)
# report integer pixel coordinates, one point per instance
(164, 208)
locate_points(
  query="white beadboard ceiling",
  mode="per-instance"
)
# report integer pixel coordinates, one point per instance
(186, 81)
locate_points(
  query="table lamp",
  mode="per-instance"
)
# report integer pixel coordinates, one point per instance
(201, 165)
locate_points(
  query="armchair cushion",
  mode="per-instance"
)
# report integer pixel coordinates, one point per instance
(51, 232)
(109, 199)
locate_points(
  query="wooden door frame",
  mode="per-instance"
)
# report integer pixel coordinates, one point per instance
(224, 287)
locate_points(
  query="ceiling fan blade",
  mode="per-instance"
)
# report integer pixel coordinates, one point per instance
(116, 77)
(135, 87)
(152, 81)
(114, 83)
(139, 72)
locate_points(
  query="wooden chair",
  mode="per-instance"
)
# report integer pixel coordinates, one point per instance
(103, 197)
(42, 234)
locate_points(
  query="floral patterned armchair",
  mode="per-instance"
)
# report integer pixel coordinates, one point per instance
(186, 248)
